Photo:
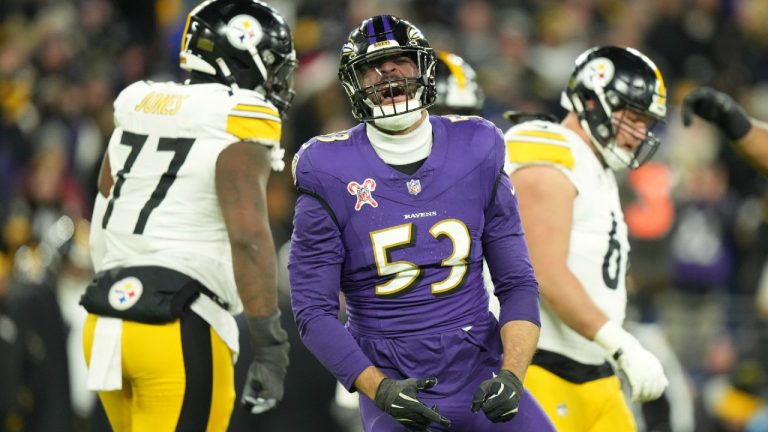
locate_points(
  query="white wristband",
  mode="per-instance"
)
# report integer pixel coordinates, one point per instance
(612, 337)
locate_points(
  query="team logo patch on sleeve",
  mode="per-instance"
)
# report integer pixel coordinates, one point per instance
(363, 192)
(125, 293)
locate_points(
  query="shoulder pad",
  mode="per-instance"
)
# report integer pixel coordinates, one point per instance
(133, 92)
(317, 148)
(252, 118)
(539, 142)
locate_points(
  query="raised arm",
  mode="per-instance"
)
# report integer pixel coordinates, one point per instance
(749, 136)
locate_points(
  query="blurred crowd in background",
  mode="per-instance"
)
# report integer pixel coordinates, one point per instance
(698, 214)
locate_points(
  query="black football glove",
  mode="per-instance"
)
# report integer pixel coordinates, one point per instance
(398, 399)
(264, 385)
(499, 397)
(718, 108)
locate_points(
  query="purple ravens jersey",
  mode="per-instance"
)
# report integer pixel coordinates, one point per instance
(405, 250)
(413, 245)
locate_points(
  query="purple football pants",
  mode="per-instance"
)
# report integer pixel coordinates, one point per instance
(529, 418)
(460, 360)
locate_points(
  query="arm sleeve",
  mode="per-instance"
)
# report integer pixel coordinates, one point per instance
(507, 256)
(316, 259)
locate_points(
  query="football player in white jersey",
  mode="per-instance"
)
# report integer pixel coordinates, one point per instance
(563, 174)
(181, 236)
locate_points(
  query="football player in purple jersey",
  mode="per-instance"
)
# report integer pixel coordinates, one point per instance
(398, 214)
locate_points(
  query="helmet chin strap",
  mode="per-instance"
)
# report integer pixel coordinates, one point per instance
(227, 73)
(398, 122)
(614, 157)
(399, 116)
(259, 64)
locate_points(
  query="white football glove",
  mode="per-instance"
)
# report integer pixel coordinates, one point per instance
(642, 369)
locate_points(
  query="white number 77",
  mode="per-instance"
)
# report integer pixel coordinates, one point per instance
(407, 272)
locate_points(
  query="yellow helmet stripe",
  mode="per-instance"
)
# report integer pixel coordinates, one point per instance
(186, 26)
(454, 67)
(662, 87)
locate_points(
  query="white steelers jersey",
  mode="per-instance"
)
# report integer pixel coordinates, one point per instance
(163, 209)
(599, 247)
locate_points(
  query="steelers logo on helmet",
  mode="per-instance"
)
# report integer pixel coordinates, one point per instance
(124, 293)
(244, 32)
(598, 73)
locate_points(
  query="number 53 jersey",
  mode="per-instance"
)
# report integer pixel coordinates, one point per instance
(599, 248)
(406, 250)
(163, 209)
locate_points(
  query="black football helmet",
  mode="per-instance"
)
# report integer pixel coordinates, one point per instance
(607, 79)
(380, 37)
(517, 117)
(244, 44)
(456, 85)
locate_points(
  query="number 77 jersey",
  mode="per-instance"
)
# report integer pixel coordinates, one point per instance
(163, 208)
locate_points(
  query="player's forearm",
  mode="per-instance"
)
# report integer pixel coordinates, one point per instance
(255, 267)
(519, 339)
(327, 339)
(564, 295)
(754, 145)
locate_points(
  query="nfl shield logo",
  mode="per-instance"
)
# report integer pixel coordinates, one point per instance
(414, 186)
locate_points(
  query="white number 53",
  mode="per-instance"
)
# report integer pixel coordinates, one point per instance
(405, 272)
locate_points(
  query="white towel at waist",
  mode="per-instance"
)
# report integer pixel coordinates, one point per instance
(105, 370)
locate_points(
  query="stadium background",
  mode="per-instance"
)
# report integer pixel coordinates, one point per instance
(698, 214)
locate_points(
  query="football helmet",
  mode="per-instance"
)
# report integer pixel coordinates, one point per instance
(608, 79)
(243, 44)
(517, 117)
(456, 86)
(376, 39)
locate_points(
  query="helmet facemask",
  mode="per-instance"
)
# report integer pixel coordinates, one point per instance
(378, 94)
(391, 94)
(279, 84)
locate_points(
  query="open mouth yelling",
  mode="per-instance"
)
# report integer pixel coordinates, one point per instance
(391, 94)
